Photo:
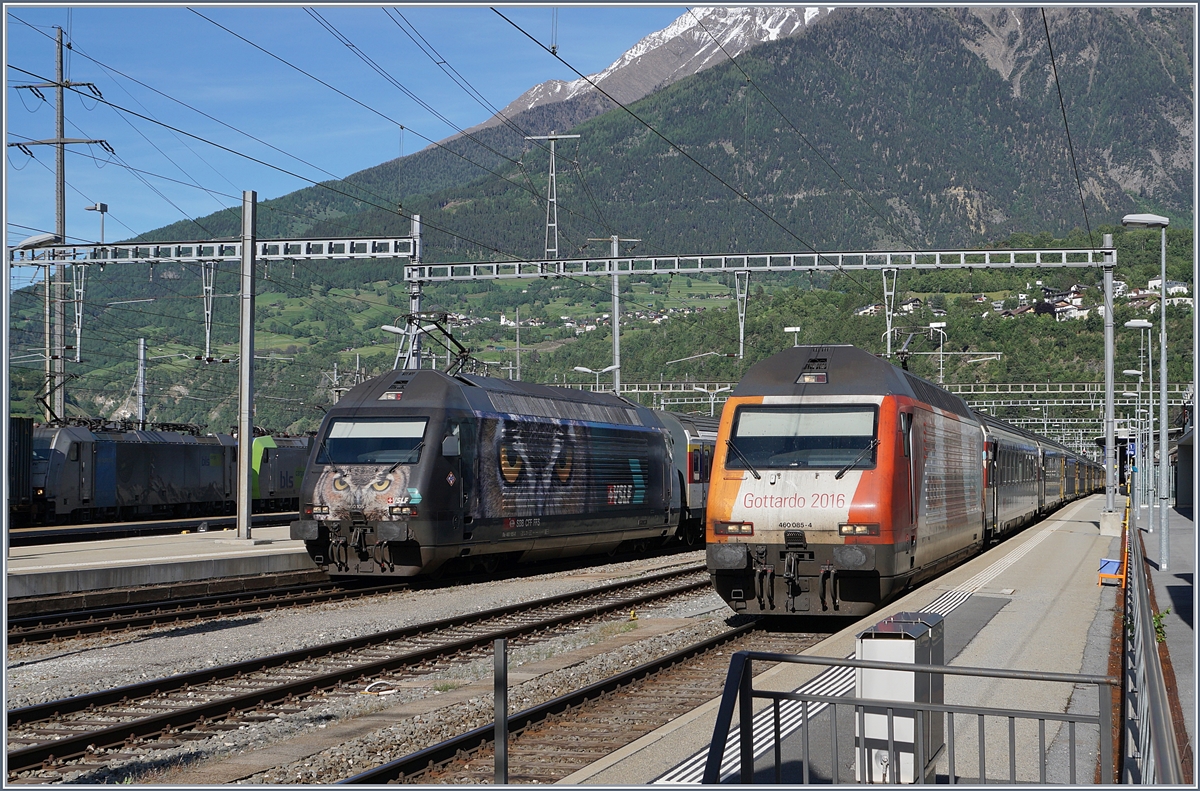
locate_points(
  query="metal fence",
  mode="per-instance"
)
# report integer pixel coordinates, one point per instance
(1150, 753)
(966, 730)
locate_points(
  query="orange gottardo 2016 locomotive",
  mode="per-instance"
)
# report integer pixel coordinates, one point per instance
(840, 480)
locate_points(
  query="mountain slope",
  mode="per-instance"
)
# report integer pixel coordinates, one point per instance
(695, 41)
(943, 125)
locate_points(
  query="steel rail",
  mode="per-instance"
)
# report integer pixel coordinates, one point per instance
(39, 629)
(75, 746)
(474, 739)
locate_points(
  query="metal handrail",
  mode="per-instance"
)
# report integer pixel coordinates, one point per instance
(739, 694)
(1151, 752)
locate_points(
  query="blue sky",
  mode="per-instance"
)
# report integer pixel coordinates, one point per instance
(188, 58)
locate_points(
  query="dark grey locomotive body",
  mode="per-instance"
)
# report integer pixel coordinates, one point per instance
(417, 468)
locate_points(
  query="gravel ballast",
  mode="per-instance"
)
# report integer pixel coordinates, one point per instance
(42, 673)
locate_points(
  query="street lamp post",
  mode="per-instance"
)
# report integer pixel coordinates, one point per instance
(1155, 221)
(103, 209)
(795, 334)
(584, 370)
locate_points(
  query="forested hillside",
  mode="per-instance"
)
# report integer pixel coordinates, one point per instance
(876, 129)
(307, 325)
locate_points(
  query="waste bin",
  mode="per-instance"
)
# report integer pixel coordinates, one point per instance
(912, 638)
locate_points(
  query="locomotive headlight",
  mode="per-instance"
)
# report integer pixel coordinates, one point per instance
(39, 492)
(402, 510)
(871, 529)
(316, 509)
(733, 528)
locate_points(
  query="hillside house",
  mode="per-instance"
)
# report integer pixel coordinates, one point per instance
(1173, 286)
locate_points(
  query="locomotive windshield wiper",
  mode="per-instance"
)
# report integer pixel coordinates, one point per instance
(416, 449)
(329, 458)
(870, 446)
(742, 456)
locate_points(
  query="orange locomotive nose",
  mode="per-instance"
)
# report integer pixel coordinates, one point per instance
(840, 480)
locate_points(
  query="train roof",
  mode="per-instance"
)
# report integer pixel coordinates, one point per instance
(848, 370)
(697, 422)
(993, 423)
(435, 390)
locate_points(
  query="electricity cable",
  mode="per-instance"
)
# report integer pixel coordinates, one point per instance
(802, 136)
(1070, 146)
(767, 215)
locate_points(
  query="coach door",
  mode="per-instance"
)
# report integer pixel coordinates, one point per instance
(458, 451)
(990, 489)
(909, 466)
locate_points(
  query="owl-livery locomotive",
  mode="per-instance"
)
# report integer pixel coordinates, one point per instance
(99, 472)
(415, 469)
(840, 481)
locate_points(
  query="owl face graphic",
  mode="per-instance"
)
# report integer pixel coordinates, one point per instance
(361, 491)
(536, 469)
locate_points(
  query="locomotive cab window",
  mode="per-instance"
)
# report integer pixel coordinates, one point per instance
(804, 436)
(365, 441)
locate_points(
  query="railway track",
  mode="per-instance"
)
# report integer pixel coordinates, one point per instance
(550, 741)
(92, 731)
(101, 620)
(64, 625)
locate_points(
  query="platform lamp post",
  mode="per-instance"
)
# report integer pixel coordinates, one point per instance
(795, 335)
(1144, 327)
(1136, 482)
(1140, 448)
(583, 370)
(1155, 221)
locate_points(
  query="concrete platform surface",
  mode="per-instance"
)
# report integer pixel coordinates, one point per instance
(1031, 603)
(149, 560)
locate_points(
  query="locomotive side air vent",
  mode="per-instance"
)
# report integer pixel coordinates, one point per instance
(932, 394)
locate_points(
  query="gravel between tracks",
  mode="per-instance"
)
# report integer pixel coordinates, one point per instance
(91, 664)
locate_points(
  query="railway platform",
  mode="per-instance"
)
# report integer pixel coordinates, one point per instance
(1174, 595)
(1032, 603)
(145, 561)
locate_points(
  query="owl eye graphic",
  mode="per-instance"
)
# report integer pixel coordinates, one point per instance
(340, 485)
(381, 484)
(510, 464)
(562, 465)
